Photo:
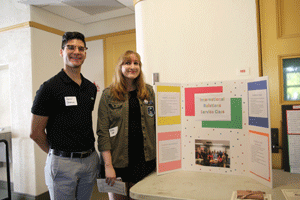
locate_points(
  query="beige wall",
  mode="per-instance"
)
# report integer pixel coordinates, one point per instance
(13, 13)
(110, 26)
(4, 97)
(16, 53)
(93, 69)
(46, 62)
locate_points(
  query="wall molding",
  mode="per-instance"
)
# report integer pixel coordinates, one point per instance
(46, 28)
(22, 25)
(31, 24)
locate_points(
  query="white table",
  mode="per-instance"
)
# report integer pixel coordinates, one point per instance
(5, 134)
(208, 186)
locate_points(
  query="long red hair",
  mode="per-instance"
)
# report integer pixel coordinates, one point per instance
(118, 85)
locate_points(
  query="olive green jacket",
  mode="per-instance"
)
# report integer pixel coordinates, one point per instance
(112, 126)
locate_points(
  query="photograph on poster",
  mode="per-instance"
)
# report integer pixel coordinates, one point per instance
(212, 153)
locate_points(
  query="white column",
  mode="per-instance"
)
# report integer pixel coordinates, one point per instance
(194, 41)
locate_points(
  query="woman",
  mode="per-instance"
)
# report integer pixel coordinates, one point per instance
(126, 125)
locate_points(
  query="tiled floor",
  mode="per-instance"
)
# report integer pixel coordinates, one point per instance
(3, 194)
(95, 196)
(98, 195)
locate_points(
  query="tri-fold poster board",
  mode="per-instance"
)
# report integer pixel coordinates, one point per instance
(218, 127)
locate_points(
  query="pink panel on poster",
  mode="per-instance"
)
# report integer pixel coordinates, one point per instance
(164, 167)
(190, 98)
(168, 166)
(169, 135)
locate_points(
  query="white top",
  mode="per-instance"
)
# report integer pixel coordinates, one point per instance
(200, 185)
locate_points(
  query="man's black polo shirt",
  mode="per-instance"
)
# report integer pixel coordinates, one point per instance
(69, 108)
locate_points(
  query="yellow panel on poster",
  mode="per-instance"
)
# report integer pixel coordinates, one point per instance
(161, 88)
(172, 119)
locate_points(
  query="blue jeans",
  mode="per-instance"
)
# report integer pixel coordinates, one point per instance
(71, 178)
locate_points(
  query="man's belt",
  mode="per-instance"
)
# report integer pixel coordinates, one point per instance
(67, 154)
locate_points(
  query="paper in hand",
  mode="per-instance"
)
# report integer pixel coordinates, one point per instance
(118, 188)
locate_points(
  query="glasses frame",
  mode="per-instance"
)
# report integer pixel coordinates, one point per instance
(69, 48)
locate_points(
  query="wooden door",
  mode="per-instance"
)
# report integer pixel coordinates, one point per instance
(280, 37)
(114, 46)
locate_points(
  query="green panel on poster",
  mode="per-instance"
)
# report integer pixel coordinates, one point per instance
(236, 117)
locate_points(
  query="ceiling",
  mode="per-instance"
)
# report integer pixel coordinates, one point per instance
(85, 11)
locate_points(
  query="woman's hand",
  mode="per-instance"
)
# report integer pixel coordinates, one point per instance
(110, 172)
(110, 175)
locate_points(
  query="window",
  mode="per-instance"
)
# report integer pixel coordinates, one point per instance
(290, 79)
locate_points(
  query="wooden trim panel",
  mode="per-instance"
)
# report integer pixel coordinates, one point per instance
(102, 37)
(46, 28)
(22, 25)
(260, 68)
(33, 25)
(281, 15)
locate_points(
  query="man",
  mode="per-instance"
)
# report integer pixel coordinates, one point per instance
(62, 125)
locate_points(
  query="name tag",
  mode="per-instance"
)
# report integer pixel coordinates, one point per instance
(70, 101)
(113, 131)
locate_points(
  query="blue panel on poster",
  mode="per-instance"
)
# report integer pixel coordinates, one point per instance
(259, 85)
(258, 121)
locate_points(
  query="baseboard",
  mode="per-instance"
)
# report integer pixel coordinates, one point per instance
(19, 196)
